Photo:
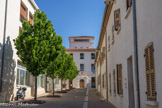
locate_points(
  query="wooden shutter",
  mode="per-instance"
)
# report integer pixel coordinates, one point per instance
(114, 82)
(119, 79)
(110, 81)
(22, 12)
(31, 18)
(103, 81)
(150, 72)
(117, 19)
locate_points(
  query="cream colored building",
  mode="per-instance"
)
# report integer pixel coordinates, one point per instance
(14, 73)
(83, 52)
(126, 78)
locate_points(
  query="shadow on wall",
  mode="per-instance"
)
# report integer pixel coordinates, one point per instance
(8, 77)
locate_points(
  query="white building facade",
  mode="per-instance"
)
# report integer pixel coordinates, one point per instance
(13, 73)
(123, 76)
(83, 52)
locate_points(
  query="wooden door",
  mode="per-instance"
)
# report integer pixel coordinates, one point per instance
(82, 83)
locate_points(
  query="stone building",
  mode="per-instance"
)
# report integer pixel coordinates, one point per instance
(131, 44)
(83, 52)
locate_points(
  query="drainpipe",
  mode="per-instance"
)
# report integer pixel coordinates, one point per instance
(100, 80)
(3, 47)
(106, 66)
(136, 51)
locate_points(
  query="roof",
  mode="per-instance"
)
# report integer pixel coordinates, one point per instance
(80, 49)
(34, 4)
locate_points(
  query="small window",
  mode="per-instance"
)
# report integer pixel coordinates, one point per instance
(31, 18)
(81, 56)
(81, 67)
(23, 12)
(128, 3)
(92, 56)
(150, 72)
(119, 79)
(40, 81)
(117, 20)
(93, 68)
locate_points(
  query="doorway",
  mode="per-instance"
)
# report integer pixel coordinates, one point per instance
(130, 83)
(81, 83)
(93, 82)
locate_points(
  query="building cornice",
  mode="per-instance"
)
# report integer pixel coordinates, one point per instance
(33, 4)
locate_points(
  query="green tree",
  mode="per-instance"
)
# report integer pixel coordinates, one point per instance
(55, 63)
(68, 70)
(32, 45)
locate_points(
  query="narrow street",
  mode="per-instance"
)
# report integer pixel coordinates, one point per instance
(77, 98)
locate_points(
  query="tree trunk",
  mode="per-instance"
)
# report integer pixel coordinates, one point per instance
(35, 96)
(61, 84)
(53, 87)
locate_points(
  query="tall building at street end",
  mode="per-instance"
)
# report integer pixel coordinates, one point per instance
(83, 51)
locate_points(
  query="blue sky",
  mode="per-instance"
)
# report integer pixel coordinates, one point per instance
(74, 17)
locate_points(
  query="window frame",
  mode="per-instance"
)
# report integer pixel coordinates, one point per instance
(22, 18)
(117, 25)
(119, 79)
(81, 66)
(81, 55)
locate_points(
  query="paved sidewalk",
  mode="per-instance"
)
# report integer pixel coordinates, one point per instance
(95, 100)
(77, 98)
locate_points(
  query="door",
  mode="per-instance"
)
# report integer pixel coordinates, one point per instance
(130, 83)
(93, 82)
(81, 83)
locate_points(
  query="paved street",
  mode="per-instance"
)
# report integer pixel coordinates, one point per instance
(77, 98)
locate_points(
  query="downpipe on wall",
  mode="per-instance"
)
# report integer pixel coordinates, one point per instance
(136, 52)
(3, 49)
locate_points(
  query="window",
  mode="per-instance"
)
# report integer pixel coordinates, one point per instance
(57, 81)
(92, 56)
(117, 20)
(81, 67)
(81, 40)
(93, 68)
(114, 82)
(110, 82)
(119, 79)
(40, 81)
(31, 18)
(23, 12)
(81, 56)
(150, 72)
(128, 3)
(23, 77)
(99, 79)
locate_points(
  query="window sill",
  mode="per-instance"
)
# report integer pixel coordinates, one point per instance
(128, 12)
(151, 103)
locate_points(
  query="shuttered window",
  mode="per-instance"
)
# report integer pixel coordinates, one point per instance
(114, 82)
(117, 20)
(150, 72)
(23, 12)
(103, 81)
(31, 18)
(129, 3)
(119, 79)
(110, 82)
